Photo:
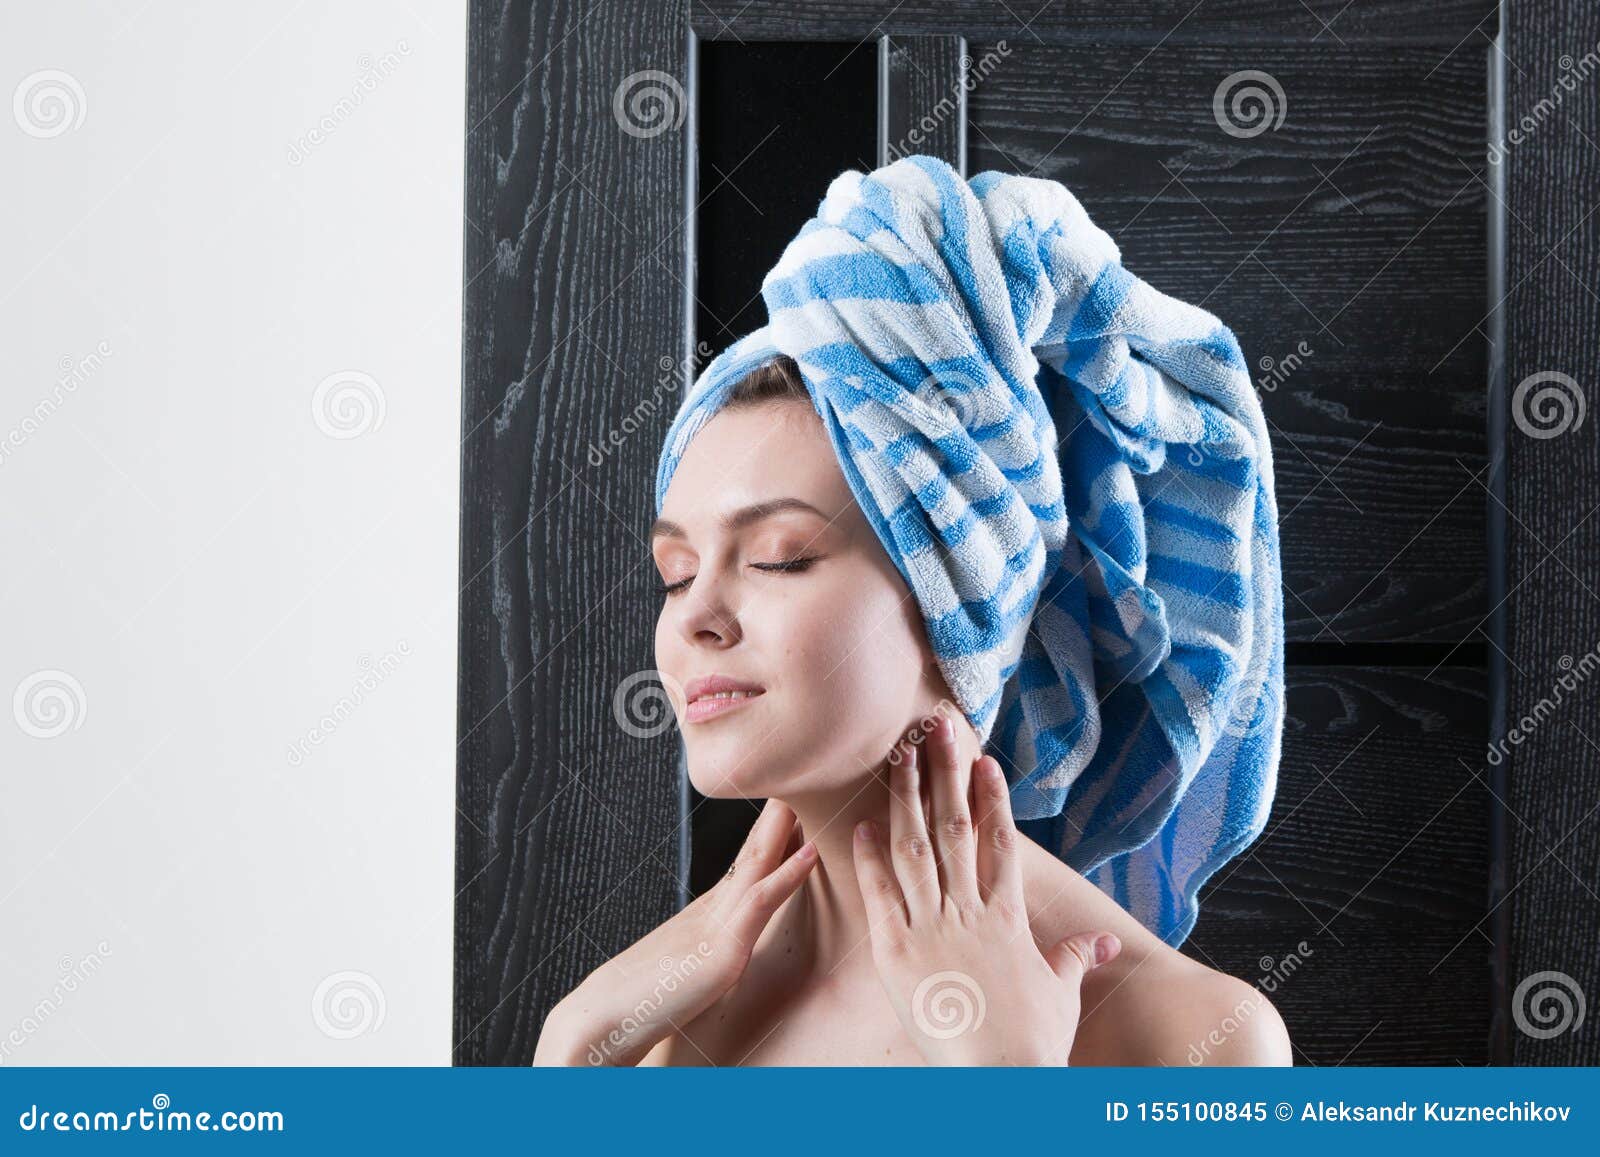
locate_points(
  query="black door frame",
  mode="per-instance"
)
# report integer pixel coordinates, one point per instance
(572, 254)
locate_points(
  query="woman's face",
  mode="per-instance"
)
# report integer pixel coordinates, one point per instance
(778, 583)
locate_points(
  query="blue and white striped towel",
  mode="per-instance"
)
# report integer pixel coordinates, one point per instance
(1071, 471)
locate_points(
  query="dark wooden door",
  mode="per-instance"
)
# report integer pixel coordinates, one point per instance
(1318, 175)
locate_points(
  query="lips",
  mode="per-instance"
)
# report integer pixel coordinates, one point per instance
(716, 695)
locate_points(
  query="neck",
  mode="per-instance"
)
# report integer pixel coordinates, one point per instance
(828, 912)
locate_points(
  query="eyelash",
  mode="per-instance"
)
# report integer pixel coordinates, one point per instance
(792, 566)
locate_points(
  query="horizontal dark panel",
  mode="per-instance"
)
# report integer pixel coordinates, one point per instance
(1424, 655)
(1346, 250)
(1376, 859)
(1315, 129)
(1385, 296)
(1328, 22)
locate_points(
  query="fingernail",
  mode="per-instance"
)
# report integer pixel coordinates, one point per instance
(808, 850)
(947, 727)
(911, 756)
(864, 831)
(1104, 945)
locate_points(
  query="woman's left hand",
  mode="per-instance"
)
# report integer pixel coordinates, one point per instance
(950, 933)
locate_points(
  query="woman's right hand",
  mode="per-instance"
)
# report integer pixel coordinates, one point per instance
(671, 975)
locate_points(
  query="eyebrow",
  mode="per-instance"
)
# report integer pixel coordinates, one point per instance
(736, 519)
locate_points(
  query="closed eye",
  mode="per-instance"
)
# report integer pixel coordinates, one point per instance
(789, 566)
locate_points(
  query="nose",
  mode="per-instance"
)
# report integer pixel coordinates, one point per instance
(706, 617)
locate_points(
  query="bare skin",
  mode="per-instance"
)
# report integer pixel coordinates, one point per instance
(779, 963)
(1149, 1005)
(811, 987)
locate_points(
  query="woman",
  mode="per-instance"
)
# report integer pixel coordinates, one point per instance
(795, 951)
(886, 908)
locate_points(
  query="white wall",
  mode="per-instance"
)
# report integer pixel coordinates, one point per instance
(183, 536)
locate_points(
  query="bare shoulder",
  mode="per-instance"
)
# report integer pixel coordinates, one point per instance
(1152, 1005)
(1167, 1009)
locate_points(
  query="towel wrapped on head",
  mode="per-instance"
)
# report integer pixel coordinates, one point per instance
(1071, 471)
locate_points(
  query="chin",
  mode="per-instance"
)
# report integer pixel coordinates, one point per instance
(730, 776)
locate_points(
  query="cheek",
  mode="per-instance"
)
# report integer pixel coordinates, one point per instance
(849, 655)
(854, 653)
(667, 661)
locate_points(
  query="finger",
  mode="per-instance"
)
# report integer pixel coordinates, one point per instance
(999, 869)
(911, 851)
(766, 844)
(952, 820)
(762, 897)
(1074, 957)
(880, 888)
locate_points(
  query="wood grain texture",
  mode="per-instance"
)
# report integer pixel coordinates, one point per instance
(922, 98)
(1346, 249)
(575, 258)
(1362, 908)
(1550, 322)
(1333, 23)
(1357, 226)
